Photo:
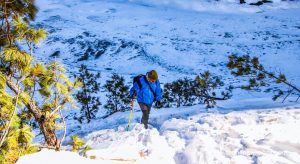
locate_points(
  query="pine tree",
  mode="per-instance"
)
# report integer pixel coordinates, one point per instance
(118, 99)
(259, 77)
(186, 92)
(178, 93)
(89, 102)
(206, 87)
(77, 143)
(28, 89)
(167, 97)
(189, 97)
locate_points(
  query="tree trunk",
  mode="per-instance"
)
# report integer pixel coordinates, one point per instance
(49, 135)
(48, 132)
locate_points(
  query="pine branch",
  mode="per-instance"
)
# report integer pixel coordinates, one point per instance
(275, 77)
(287, 95)
(22, 78)
(251, 67)
(7, 24)
(54, 111)
(30, 104)
(214, 98)
(10, 121)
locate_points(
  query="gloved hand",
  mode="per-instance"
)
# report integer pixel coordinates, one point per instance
(158, 104)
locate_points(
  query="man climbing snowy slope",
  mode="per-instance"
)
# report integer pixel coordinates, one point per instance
(147, 89)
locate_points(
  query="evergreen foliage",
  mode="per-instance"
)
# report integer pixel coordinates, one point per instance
(178, 93)
(29, 90)
(259, 77)
(187, 92)
(89, 102)
(205, 89)
(10, 9)
(18, 143)
(79, 145)
(118, 99)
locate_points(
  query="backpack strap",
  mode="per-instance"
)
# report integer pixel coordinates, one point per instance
(139, 81)
(136, 79)
(154, 94)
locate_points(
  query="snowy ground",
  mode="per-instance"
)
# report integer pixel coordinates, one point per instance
(179, 39)
(130, 37)
(258, 136)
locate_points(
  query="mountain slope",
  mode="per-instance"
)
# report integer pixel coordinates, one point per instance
(267, 136)
(130, 37)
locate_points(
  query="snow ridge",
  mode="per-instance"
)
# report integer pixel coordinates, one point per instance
(268, 136)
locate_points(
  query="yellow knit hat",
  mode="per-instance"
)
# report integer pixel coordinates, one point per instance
(152, 75)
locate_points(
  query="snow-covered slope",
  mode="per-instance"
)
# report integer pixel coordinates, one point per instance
(178, 38)
(268, 136)
(130, 37)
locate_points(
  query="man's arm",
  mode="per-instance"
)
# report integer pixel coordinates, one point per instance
(134, 89)
(158, 91)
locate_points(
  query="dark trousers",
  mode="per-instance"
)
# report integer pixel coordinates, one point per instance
(146, 112)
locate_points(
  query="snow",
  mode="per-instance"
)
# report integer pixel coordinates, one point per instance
(178, 38)
(254, 136)
(228, 6)
(249, 136)
(138, 144)
(174, 41)
(51, 156)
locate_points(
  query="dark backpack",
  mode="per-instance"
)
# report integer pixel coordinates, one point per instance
(136, 79)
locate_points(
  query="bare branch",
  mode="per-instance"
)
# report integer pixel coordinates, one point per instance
(290, 91)
(65, 129)
(30, 105)
(54, 111)
(10, 121)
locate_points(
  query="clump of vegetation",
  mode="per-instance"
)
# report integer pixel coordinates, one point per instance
(179, 93)
(203, 89)
(79, 145)
(118, 99)
(86, 96)
(30, 91)
(259, 77)
(206, 89)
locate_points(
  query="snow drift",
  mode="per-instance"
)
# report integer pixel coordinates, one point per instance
(269, 136)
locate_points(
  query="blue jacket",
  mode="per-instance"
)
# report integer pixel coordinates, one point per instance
(144, 94)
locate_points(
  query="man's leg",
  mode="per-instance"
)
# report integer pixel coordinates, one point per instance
(146, 111)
